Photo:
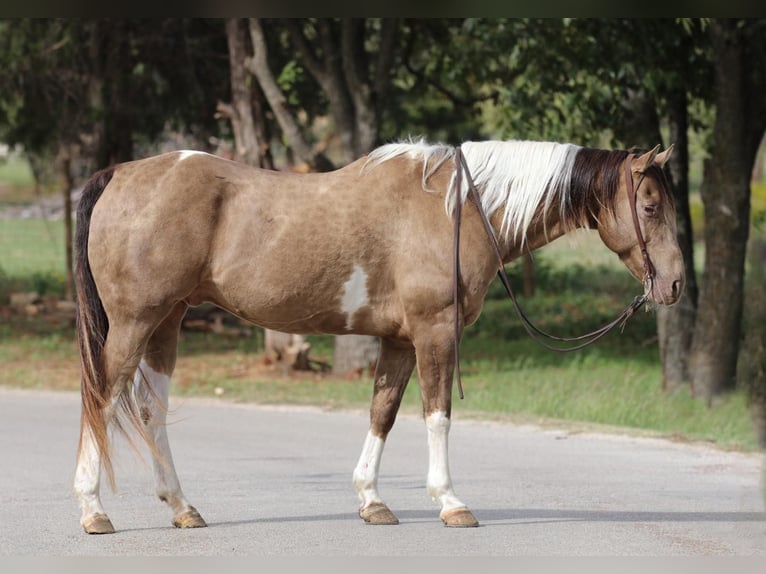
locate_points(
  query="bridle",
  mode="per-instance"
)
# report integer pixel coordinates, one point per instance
(534, 332)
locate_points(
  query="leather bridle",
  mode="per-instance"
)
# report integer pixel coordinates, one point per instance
(534, 332)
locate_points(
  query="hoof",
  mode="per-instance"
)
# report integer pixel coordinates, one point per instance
(189, 519)
(377, 513)
(459, 518)
(98, 524)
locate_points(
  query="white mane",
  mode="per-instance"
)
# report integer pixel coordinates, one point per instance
(432, 155)
(514, 175)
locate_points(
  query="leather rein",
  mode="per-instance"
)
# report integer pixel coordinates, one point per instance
(534, 332)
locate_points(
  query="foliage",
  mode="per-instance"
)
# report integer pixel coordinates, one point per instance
(583, 77)
(103, 83)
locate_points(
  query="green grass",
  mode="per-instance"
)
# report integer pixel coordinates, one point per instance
(15, 172)
(17, 184)
(31, 256)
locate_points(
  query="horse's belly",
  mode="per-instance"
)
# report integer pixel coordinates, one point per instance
(314, 310)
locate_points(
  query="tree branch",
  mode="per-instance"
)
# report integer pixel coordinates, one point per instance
(259, 67)
(388, 32)
(355, 74)
(240, 111)
(454, 98)
(306, 53)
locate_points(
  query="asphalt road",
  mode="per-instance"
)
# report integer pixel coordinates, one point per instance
(277, 481)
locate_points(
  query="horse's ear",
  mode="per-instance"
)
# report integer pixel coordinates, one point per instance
(641, 164)
(663, 157)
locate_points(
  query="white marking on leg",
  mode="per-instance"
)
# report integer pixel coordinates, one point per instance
(439, 482)
(367, 470)
(354, 294)
(187, 153)
(87, 479)
(153, 410)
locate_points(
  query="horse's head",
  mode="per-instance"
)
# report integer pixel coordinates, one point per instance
(655, 214)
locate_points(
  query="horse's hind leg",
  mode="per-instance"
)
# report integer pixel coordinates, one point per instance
(87, 482)
(395, 364)
(122, 351)
(151, 388)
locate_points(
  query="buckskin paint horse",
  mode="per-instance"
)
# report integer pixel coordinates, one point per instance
(365, 249)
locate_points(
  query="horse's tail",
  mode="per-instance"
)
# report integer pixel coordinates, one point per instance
(92, 327)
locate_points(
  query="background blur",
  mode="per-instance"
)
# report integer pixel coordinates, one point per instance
(315, 94)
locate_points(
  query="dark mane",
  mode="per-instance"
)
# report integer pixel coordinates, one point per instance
(594, 171)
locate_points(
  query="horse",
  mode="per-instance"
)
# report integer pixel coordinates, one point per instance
(364, 249)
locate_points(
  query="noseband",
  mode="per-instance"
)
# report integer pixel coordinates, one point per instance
(534, 332)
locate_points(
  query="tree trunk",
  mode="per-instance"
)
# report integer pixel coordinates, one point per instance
(262, 131)
(116, 144)
(241, 110)
(366, 120)
(675, 325)
(726, 195)
(751, 369)
(65, 167)
(355, 354)
(259, 67)
(529, 275)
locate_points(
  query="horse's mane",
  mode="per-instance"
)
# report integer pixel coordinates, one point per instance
(521, 177)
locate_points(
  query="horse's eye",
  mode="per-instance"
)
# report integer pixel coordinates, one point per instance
(650, 210)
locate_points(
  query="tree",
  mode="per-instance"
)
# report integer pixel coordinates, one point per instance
(739, 58)
(44, 72)
(249, 125)
(83, 91)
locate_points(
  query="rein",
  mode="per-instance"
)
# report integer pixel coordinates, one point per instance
(533, 331)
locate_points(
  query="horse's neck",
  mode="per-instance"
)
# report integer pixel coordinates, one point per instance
(540, 233)
(537, 236)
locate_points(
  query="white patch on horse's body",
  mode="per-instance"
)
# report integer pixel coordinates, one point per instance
(187, 153)
(516, 176)
(367, 470)
(354, 294)
(439, 482)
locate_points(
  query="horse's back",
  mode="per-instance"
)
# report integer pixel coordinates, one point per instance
(294, 252)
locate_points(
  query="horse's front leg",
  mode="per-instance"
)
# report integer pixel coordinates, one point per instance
(395, 364)
(436, 363)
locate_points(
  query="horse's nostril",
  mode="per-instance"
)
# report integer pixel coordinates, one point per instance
(676, 288)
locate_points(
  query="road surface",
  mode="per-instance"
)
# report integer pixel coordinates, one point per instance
(277, 481)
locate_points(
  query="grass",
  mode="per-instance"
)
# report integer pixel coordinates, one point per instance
(31, 256)
(31, 246)
(614, 385)
(16, 172)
